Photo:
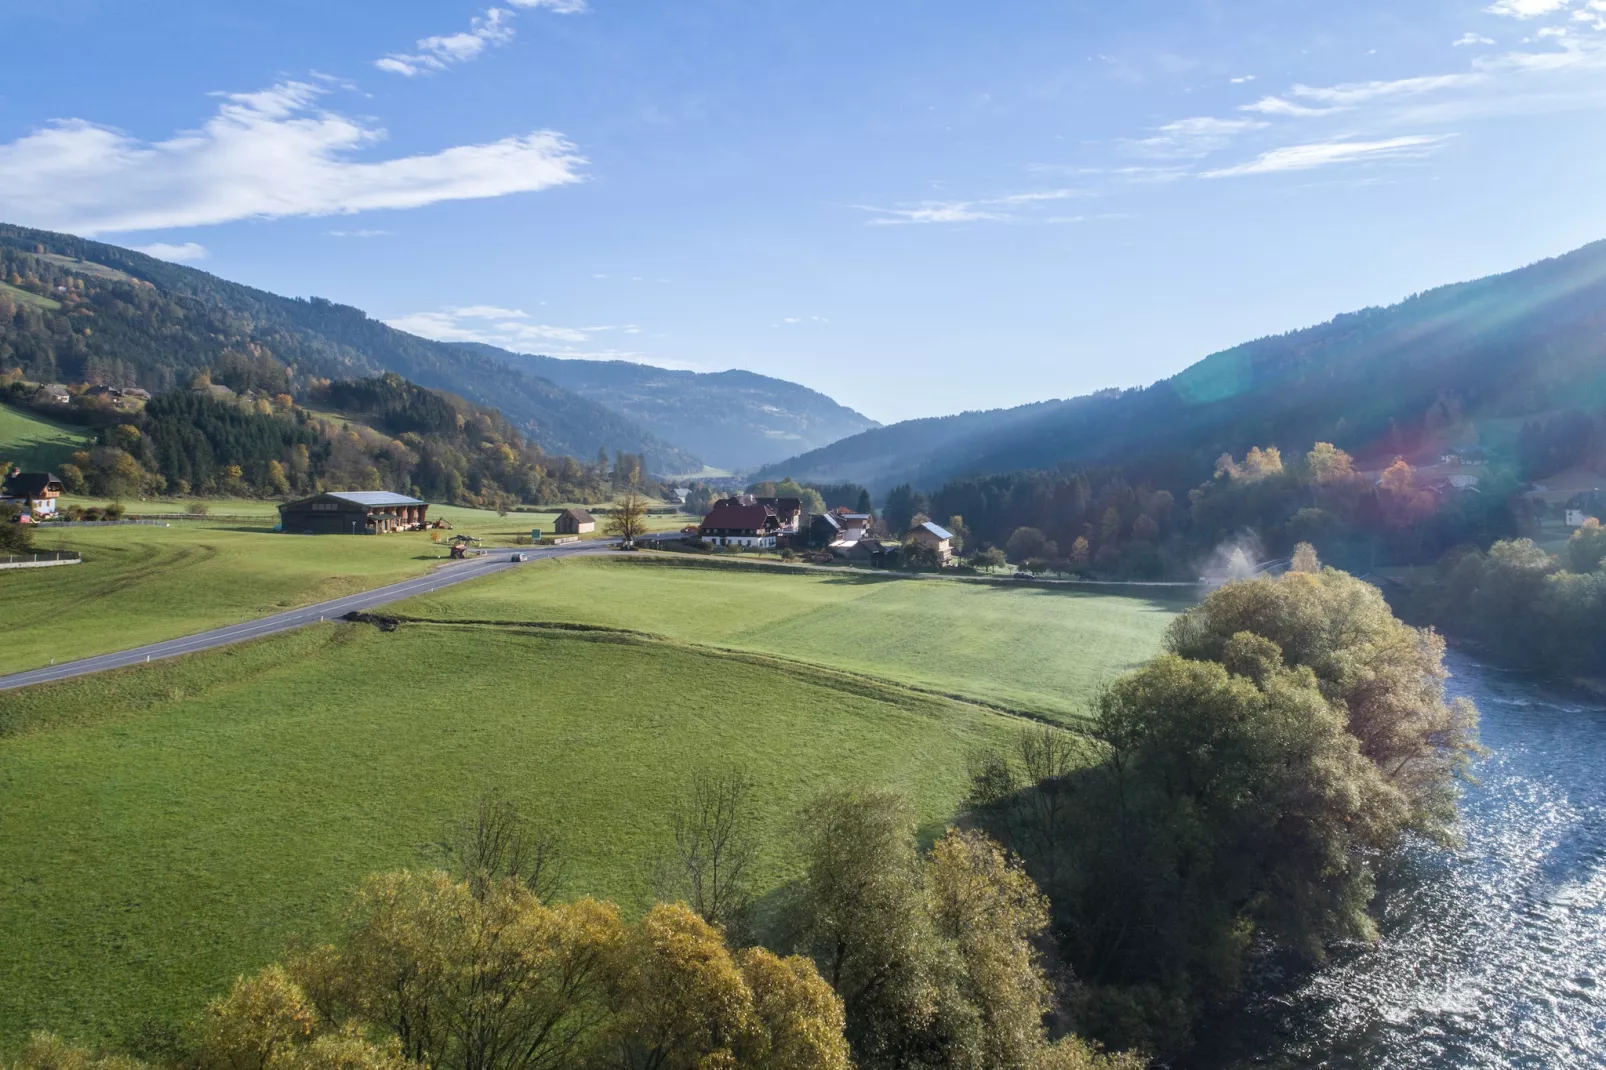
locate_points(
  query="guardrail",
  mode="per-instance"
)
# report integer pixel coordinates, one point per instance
(44, 560)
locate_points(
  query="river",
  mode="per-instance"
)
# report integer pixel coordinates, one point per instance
(1491, 956)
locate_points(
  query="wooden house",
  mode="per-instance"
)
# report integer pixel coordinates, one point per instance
(574, 522)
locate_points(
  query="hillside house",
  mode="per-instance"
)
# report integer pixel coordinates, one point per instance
(574, 522)
(855, 526)
(936, 537)
(53, 394)
(732, 523)
(34, 492)
(362, 512)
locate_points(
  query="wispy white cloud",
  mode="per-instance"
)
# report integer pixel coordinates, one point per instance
(557, 7)
(437, 53)
(1327, 153)
(179, 254)
(1192, 138)
(933, 212)
(1526, 9)
(509, 328)
(1004, 208)
(1277, 106)
(1469, 39)
(263, 155)
(360, 233)
(1350, 94)
(1241, 81)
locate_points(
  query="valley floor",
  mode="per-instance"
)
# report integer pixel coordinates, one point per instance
(165, 828)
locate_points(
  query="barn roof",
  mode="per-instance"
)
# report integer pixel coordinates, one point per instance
(368, 499)
(937, 530)
(579, 515)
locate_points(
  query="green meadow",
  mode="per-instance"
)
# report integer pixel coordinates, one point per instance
(165, 828)
(1044, 650)
(32, 442)
(168, 827)
(143, 584)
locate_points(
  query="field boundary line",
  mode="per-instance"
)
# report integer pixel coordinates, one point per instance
(391, 622)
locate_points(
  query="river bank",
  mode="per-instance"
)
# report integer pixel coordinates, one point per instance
(1493, 955)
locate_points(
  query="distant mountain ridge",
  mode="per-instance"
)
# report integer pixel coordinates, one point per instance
(163, 323)
(731, 419)
(1468, 359)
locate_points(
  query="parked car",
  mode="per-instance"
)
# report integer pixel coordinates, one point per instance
(1024, 575)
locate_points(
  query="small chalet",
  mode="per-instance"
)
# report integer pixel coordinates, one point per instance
(35, 492)
(53, 394)
(362, 512)
(574, 522)
(938, 538)
(734, 523)
(854, 525)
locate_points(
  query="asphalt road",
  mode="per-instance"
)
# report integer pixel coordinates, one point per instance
(445, 576)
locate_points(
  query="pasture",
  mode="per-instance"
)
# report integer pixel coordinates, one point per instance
(1037, 649)
(32, 442)
(142, 584)
(165, 828)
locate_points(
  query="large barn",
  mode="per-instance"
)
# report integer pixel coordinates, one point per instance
(358, 512)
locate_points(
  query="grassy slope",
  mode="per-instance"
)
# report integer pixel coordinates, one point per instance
(33, 442)
(1046, 650)
(145, 584)
(174, 825)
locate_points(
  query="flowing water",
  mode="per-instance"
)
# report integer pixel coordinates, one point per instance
(1493, 955)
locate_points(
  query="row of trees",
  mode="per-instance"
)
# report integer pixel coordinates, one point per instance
(1238, 791)
(1527, 607)
(1098, 522)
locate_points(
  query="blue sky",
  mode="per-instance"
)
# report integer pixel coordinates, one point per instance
(916, 206)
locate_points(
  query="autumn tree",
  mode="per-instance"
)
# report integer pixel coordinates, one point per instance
(431, 973)
(628, 521)
(1587, 546)
(1326, 465)
(1304, 559)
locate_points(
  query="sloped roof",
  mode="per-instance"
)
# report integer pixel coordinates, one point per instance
(831, 519)
(31, 484)
(936, 529)
(366, 498)
(579, 516)
(729, 517)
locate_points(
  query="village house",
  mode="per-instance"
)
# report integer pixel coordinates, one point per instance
(362, 512)
(939, 539)
(788, 512)
(53, 394)
(34, 492)
(825, 530)
(731, 522)
(574, 522)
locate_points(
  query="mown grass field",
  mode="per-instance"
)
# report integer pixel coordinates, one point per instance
(1044, 650)
(165, 828)
(142, 584)
(33, 442)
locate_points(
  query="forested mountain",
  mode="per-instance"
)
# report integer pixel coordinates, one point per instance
(383, 433)
(1464, 364)
(731, 419)
(74, 310)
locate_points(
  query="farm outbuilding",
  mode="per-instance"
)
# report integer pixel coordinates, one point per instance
(361, 512)
(574, 522)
